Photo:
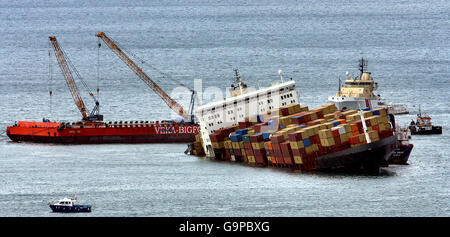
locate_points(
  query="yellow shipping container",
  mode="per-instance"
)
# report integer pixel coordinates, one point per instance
(235, 145)
(298, 160)
(362, 138)
(284, 121)
(347, 127)
(294, 108)
(309, 149)
(251, 159)
(329, 125)
(227, 144)
(297, 144)
(374, 136)
(322, 121)
(244, 153)
(384, 126)
(325, 133)
(327, 142)
(218, 145)
(258, 145)
(315, 147)
(344, 137)
(328, 116)
(367, 114)
(353, 117)
(349, 112)
(241, 145)
(384, 119)
(313, 116)
(304, 108)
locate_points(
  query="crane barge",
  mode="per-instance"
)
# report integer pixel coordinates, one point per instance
(91, 129)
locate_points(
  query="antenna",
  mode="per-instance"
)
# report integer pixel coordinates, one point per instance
(281, 74)
(362, 65)
(339, 86)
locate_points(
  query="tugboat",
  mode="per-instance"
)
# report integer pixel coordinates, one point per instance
(423, 125)
(359, 91)
(67, 205)
(403, 148)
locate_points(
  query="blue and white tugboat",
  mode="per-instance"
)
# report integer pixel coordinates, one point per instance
(68, 205)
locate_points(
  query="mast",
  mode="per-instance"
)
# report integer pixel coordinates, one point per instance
(362, 66)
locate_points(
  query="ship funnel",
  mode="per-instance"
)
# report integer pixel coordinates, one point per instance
(281, 74)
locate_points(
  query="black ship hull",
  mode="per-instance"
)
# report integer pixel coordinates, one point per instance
(421, 131)
(368, 157)
(401, 154)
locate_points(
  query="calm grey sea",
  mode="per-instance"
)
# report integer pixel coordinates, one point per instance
(314, 42)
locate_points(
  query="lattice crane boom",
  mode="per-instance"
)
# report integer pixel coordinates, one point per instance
(143, 76)
(62, 62)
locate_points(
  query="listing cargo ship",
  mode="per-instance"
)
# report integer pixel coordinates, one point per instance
(91, 129)
(268, 127)
(358, 93)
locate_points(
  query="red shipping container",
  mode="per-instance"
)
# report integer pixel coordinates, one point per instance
(296, 136)
(284, 111)
(335, 133)
(368, 124)
(285, 146)
(376, 127)
(227, 154)
(248, 145)
(277, 139)
(311, 123)
(280, 160)
(315, 139)
(299, 152)
(245, 124)
(287, 153)
(257, 138)
(354, 127)
(307, 117)
(237, 152)
(358, 123)
(216, 137)
(260, 156)
(277, 150)
(249, 152)
(319, 114)
(259, 152)
(337, 140)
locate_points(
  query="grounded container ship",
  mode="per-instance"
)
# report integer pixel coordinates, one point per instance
(91, 129)
(268, 127)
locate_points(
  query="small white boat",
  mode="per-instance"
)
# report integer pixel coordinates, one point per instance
(68, 205)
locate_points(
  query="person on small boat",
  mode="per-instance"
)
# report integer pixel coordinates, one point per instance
(412, 123)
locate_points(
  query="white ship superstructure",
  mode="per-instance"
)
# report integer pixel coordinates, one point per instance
(241, 105)
(358, 93)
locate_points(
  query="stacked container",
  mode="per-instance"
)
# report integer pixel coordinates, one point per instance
(300, 137)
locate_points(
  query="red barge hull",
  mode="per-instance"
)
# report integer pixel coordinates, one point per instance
(97, 133)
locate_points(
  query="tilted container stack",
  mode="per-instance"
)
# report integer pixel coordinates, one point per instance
(296, 136)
